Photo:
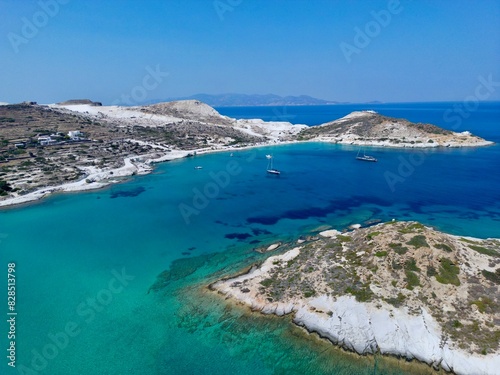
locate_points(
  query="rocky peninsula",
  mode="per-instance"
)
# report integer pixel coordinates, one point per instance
(372, 129)
(397, 288)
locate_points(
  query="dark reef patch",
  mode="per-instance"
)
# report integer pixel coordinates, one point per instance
(239, 236)
(319, 212)
(179, 269)
(257, 231)
(127, 193)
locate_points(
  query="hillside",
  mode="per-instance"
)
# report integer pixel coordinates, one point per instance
(38, 156)
(399, 288)
(371, 128)
(188, 109)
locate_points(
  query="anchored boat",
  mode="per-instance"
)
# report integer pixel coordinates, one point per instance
(365, 157)
(270, 168)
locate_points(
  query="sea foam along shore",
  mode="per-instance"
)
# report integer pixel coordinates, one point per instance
(364, 328)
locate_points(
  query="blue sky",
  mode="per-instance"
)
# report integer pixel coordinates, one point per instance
(426, 50)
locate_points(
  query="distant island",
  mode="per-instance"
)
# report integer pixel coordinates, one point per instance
(235, 100)
(396, 288)
(81, 144)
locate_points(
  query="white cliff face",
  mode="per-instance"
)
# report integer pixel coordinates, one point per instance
(275, 131)
(366, 329)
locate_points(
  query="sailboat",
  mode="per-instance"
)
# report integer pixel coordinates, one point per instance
(365, 157)
(270, 168)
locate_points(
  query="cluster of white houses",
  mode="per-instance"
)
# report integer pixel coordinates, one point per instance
(52, 139)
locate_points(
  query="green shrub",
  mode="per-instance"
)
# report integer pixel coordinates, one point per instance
(309, 293)
(444, 247)
(483, 303)
(381, 254)
(267, 282)
(412, 280)
(372, 234)
(411, 228)
(468, 241)
(396, 265)
(431, 271)
(448, 272)
(492, 276)
(398, 248)
(391, 222)
(396, 302)
(362, 294)
(418, 241)
(411, 265)
(342, 238)
(484, 250)
(5, 187)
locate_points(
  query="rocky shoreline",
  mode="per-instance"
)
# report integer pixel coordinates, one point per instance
(398, 289)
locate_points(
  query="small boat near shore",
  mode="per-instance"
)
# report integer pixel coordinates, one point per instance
(365, 157)
(273, 171)
(270, 168)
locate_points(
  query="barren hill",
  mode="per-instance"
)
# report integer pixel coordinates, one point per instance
(189, 109)
(80, 101)
(371, 128)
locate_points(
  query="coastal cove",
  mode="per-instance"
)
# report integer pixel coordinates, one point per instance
(173, 130)
(200, 225)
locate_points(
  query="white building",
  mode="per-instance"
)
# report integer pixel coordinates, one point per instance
(46, 140)
(75, 134)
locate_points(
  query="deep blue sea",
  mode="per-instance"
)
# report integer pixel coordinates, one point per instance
(86, 262)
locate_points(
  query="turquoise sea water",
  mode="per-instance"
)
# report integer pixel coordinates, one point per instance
(85, 262)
